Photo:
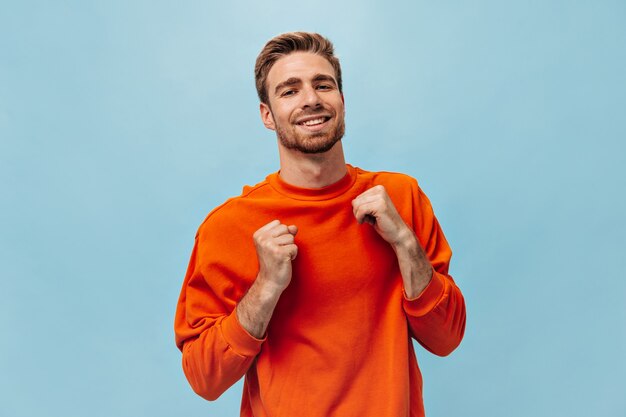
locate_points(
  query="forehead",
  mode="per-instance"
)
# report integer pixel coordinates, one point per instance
(303, 65)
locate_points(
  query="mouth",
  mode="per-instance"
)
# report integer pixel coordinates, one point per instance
(314, 123)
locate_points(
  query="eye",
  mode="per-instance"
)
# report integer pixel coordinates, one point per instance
(324, 87)
(288, 93)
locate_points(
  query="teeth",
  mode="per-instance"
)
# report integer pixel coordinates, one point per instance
(313, 122)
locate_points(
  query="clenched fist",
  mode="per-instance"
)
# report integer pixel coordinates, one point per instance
(376, 208)
(276, 248)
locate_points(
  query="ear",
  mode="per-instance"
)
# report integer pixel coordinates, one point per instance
(266, 116)
(344, 105)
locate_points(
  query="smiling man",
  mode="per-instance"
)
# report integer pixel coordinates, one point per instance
(313, 282)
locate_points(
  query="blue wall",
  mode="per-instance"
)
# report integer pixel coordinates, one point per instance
(122, 124)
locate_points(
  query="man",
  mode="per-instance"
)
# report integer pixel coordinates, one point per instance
(313, 282)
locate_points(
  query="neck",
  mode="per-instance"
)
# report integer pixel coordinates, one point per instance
(312, 170)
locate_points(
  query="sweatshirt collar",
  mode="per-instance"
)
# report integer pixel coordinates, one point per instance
(324, 193)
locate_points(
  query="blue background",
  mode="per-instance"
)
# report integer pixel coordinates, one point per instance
(122, 124)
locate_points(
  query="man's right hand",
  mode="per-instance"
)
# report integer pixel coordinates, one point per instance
(275, 250)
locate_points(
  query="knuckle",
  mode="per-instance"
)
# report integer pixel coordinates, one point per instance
(265, 242)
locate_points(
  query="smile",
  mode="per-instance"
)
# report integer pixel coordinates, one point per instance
(314, 122)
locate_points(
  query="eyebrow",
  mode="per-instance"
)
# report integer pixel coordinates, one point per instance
(290, 82)
(324, 77)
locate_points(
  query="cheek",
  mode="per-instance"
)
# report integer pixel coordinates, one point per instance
(284, 115)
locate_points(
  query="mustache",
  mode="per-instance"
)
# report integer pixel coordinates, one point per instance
(315, 112)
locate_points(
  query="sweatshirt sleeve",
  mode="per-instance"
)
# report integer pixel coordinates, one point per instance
(436, 316)
(217, 350)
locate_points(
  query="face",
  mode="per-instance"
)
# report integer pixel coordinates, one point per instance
(305, 107)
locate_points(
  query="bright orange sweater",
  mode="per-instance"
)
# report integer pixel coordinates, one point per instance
(339, 341)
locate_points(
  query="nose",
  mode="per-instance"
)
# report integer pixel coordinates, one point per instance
(311, 97)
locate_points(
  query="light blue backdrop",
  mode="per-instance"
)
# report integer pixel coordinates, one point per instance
(122, 124)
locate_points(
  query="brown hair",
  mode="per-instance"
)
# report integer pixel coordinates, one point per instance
(285, 44)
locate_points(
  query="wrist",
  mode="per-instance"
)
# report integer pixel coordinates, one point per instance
(406, 241)
(415, 286)
(268, 288)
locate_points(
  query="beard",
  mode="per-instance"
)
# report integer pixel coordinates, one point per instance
(311, 143)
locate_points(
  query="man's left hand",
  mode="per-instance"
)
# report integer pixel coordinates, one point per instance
(376, 208)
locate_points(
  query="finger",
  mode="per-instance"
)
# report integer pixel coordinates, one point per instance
(268, 226)
(293, 229)
(369, 209)
(363, 199)
(279, 230)
(292, 250)
(358, 214)
(375, 190)
(361, 196)
(286, 239)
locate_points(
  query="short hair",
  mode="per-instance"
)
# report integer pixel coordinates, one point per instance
(285, 44)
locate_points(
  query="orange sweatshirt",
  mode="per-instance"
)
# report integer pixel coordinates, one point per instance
(339, 341)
